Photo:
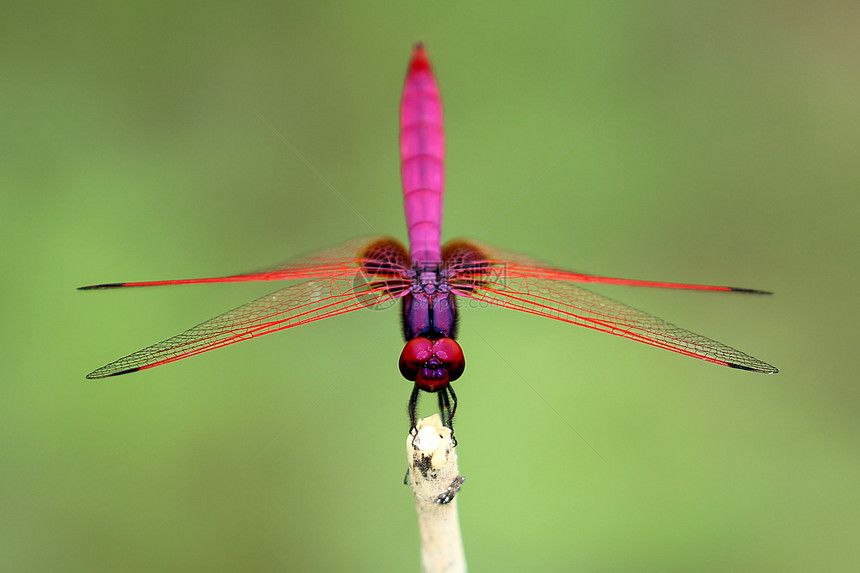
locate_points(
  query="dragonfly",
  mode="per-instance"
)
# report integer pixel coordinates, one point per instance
(428, 280)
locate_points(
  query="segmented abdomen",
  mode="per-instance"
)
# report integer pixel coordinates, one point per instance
(422, 152)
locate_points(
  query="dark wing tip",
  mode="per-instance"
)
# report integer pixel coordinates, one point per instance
(96, 374)
(749, 290)
(104, 285)
(765, 368)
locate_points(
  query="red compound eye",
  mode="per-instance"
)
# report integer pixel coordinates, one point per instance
(432, 364)
(416, 352)
(449, 352)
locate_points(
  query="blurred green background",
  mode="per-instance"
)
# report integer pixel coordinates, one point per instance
(695, 142)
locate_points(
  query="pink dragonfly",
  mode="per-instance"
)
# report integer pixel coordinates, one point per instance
(427, 279)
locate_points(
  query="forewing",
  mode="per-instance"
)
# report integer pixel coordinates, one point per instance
(338, 262)
(516, 265)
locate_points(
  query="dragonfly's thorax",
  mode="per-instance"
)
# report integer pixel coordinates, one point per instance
(429, 309)
(429, 279)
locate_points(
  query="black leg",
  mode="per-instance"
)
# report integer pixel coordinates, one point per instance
(447, 408)
(453, 407)
(413, 405)
(452, 403)
(444, 406)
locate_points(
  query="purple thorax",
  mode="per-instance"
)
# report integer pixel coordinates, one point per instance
(429, 309)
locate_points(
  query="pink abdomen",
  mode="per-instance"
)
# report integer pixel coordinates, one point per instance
(422, 152)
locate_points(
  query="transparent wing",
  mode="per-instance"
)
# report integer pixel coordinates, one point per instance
(510, 284)
(518, 265)
(347, 282)
(286, 308)
(339, 261)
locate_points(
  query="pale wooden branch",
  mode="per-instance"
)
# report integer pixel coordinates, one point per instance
(435, 483)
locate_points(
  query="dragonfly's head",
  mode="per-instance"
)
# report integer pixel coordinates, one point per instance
(432, 364)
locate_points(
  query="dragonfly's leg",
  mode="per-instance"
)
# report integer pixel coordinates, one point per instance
(453, 407)
(444, 406)
(413, 405)
(453, 411)
(447, 408)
